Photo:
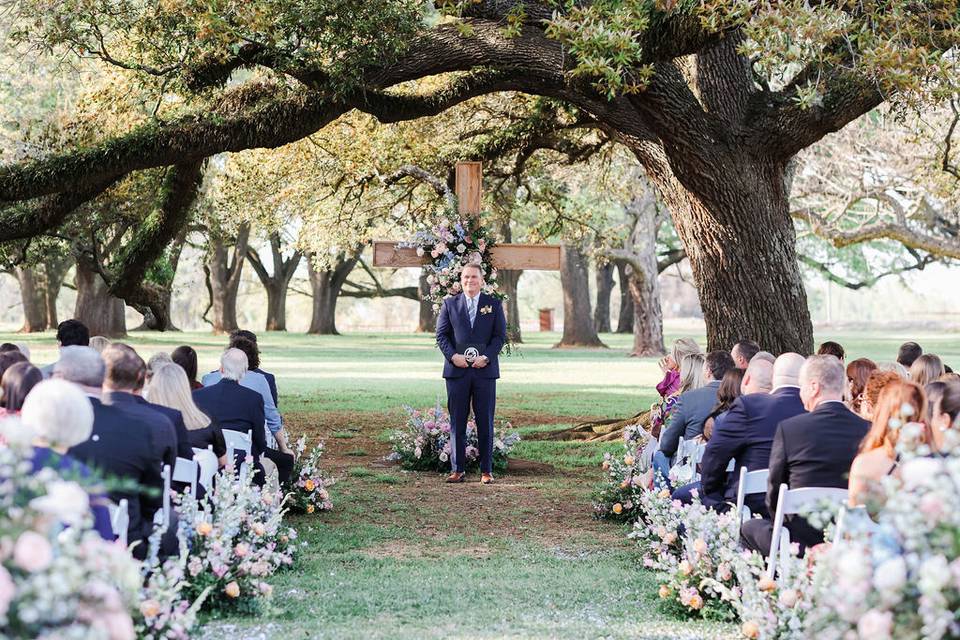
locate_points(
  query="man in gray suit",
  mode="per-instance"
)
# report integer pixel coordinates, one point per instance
(690, 412)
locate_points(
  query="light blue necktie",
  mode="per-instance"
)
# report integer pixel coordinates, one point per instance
(472, 310)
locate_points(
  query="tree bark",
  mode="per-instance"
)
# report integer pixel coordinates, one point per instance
(601, 312)
(102, 313)
(508, 281)
(625, 317)
(150, 320)
(33, 300)
(426, 320)
(55, 269)
(223, 269)
(578, 329)
(276, 284)
(326, 285)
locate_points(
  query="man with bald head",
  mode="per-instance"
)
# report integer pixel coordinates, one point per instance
(746, 433)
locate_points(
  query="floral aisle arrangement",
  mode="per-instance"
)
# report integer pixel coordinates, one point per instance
(627, 477)
(236, 540)
(452, 243)
(309, 491)
(58, 578)
(423, 443)
(165, 611)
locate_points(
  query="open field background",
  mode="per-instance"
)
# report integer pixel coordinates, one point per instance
(403, 555)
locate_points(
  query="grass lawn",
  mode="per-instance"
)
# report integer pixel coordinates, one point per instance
(404, 556)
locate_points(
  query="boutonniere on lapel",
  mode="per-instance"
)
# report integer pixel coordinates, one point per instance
(487, 309)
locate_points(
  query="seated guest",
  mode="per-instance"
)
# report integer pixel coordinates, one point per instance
(122, 384)
(758, 377)
(743, 352)
(878, 452)
(7, 360)
(691, 377)
(926, 369)
(810, 450)
(282, 456)
(908, 353)
(169, 387)
(830, 348)
(60, 417)
(24, 349)
(186, 357)
(690, 412)
(16, 383)
(871, 391)
(124, 445)
(728, 391)
(69, 333)
(943, 407)
(236, 407)
(670, 365)
(746, 434)
(894, 367)
(8, 346)
(157, 360)
(271, 379)
(764, 355)
(858, 372)
(99, 343)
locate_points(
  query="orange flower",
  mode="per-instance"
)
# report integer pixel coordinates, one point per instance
(618, 508)
(310, 508)
(232, 589)
(309, 485)
(204, 528)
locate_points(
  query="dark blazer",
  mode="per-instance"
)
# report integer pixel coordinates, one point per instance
(124, 445)
(814, 449)
(272, 383)
(165, 434)
(490, 329)
(207, 436)
(745, 434)
(687, 417)
(235, 407)
(184, 450)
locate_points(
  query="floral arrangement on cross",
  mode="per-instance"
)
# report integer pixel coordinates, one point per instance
(453, 242)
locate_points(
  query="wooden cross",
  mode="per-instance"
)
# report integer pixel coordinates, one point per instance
(469, 181)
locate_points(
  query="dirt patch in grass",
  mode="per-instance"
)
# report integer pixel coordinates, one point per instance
(531, 501)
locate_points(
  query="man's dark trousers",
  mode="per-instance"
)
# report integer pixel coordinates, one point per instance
(481, 393)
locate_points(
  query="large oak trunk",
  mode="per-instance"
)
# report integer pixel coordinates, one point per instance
(426, 320)
(601, 312)
(326, 286)
(734, 222)
(508, 281)
(625, 317)
(33, 300)
(223, 268)
(276, 283)
(277, 305)
(103, 314)
(578, 329)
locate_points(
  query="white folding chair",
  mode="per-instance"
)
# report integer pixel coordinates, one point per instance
(698, 456)
(162, 517)
(789, 502)
(207, 461)
(732, 465)
(187, 471)
(120, 520)
(855, 518)
(646, 456)
(238, 440)
(751, 482)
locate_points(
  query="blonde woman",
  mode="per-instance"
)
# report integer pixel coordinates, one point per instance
(169, 387)
(670, 365)
(690, 377)
(926, 369)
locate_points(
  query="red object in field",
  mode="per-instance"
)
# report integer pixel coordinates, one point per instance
(546, 319)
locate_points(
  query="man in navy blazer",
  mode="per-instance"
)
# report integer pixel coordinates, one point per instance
(746, 434)
(471, 331)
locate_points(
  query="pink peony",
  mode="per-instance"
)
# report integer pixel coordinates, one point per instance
(241, 550)
(117, 624)
(32, 552)
(876, 625)
(7, 590)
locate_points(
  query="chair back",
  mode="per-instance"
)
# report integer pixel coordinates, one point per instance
(207, 461)
(187, 471)
(120, 520)
(646, 456)
(854, 519)
(238, 440)
(791, 501)
(751, 483)
(164, 514)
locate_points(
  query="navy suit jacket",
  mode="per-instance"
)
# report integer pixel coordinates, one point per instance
(165, 434)
(124, 445)
(235, 407)
(745, 434)
(687, 417)
(490, 329)
(814, 449)
(184, 450)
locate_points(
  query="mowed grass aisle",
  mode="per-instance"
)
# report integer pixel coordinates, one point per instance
(403, 555)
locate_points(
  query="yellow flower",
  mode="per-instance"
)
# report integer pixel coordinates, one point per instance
(310, 508)
(150, 608)
(696, 601)
(628, 460)
(204, 528)
(664, 493)
(665, 592)
(309, 485)
(750, 629)
(605, 466)
(766, 584)
(618, 508)
(232, 589)
(624, 484)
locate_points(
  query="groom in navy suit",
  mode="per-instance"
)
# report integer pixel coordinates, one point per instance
(471, 331)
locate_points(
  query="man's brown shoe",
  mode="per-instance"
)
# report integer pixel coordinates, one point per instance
(456, 477)
(486, 478)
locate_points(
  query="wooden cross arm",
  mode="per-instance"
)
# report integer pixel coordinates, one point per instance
(505, 256)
